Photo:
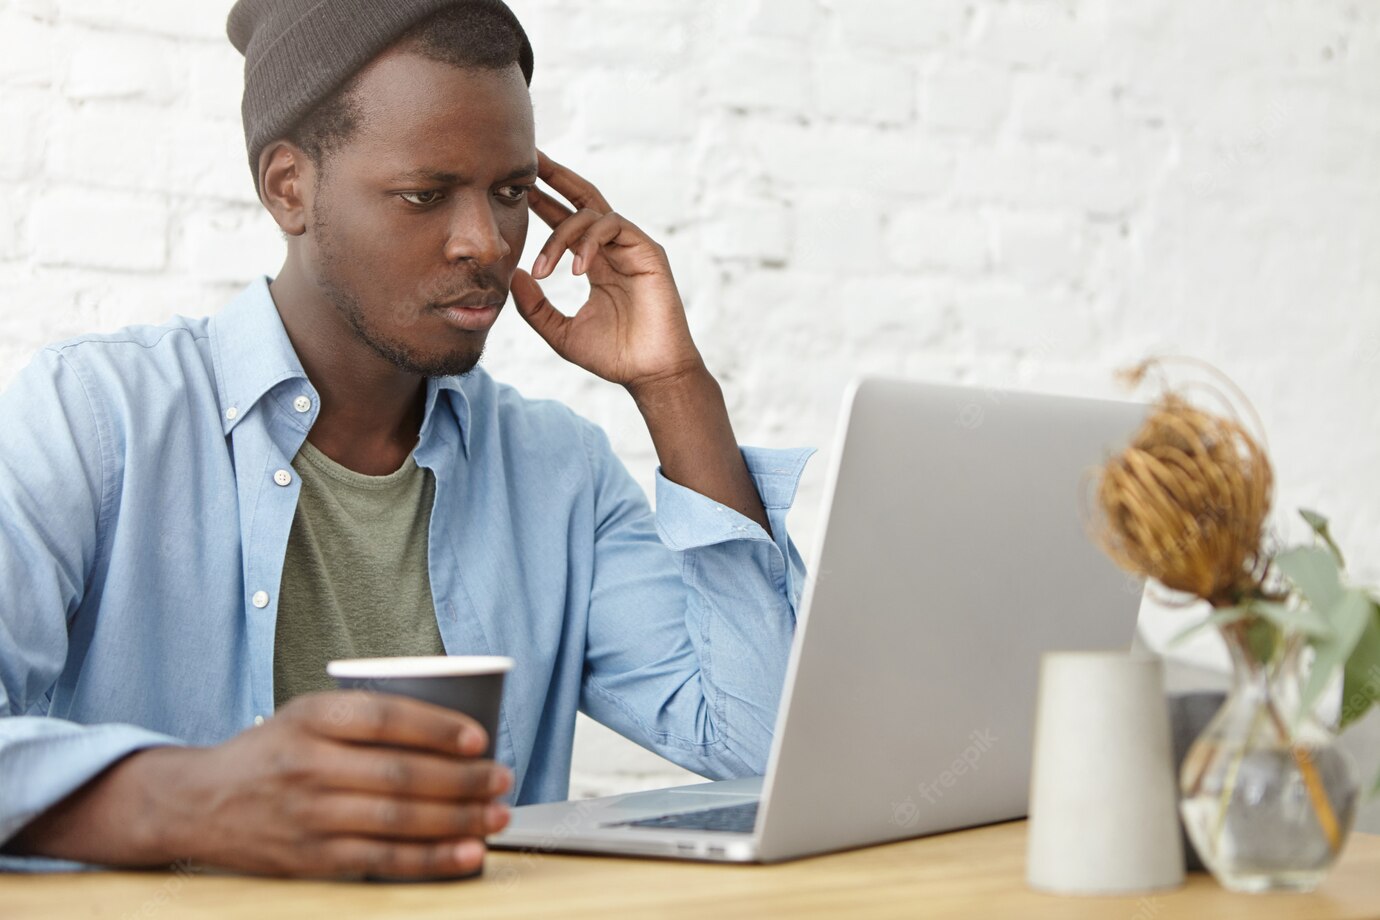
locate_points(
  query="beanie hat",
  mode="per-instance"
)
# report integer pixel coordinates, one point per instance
(297, 52)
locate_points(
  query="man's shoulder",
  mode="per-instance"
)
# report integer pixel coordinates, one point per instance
(175, 339)
(130, 369)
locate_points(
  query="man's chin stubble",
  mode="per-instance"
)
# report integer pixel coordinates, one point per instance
(455, 364)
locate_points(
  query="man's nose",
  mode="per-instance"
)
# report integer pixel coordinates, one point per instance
(475, 234)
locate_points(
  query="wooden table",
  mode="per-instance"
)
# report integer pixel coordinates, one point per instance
(973, 873)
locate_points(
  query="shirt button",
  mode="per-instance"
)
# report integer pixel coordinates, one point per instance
(258, 720)
(260, 599)
(302, 404)
(232, 413)
(282, 477)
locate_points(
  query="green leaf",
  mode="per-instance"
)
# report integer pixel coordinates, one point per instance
(1302, 619)
(1221, 616)
(1314, 519)
(1313, 570)
(1321, 528)
(1262, 638)
(1361, 674)
(1348, 618)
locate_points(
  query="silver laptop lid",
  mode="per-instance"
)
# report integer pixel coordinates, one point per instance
(953, 554)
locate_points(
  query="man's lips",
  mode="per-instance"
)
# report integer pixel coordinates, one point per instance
(472, 312)
(478, 298)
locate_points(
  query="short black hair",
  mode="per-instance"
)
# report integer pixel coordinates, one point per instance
(464, 34)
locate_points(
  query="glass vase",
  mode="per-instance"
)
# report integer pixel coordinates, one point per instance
(1266, 794)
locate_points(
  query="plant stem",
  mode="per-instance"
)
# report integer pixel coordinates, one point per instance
(1235, 633)
(1229, 787)
(1317, 792)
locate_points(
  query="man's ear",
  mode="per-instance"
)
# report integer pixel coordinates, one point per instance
(286, 177)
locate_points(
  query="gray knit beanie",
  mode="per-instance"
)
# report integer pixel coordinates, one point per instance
(297, 52)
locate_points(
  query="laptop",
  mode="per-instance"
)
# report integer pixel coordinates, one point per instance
(953, 554)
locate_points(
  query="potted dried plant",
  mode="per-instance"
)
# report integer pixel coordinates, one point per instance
(1266, 794)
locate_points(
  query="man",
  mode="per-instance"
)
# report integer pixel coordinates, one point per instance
(196, 516)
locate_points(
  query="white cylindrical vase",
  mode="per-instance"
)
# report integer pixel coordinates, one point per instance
(1103, 801)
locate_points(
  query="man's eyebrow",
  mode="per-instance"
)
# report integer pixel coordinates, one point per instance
(449, 178)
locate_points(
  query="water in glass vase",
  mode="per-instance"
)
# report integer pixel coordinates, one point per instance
(1267, 796)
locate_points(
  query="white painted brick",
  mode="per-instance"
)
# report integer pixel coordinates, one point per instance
(215, 80)
(634, 106)
(96, 229)
(899, 25)
(931, 239)
(163, 17)
(14, 204)
(112, 146)
(842, 230)
(105, 66)
(1009, 319)
(760, 75)
(1069, 109)
(24, 113)
(28, 54)
(889, 100)
(650, 184)
(38, 9)
(793, 19)
(761, 230)
(635, 35)
(231, 246)
(1067, 35)
(841, 155)
(208, 159)
(551, 111)
(1040, 250)
(966, 97)
(1042, 179)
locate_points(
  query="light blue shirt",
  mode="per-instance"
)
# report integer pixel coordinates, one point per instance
(142, 536)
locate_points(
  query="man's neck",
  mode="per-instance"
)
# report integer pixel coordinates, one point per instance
(371, 412)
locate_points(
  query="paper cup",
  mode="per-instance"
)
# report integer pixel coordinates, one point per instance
(472, 684)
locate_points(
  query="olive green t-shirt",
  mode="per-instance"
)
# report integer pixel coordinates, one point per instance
(355, 578)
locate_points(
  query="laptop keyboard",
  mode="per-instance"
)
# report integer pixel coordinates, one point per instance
(734, 819)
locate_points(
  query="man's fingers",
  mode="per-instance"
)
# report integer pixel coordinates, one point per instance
(386, 718)
(561, 239)
(578, 190)
(547, 208)
(623, 244)
(356, 857)
(362, 814)
(415, 775)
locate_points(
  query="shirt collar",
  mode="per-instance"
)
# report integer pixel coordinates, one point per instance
(253, 354)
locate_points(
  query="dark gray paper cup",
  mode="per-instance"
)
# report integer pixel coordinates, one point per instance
(472, 684)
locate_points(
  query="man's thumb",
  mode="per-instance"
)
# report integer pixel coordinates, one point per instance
(549, 322)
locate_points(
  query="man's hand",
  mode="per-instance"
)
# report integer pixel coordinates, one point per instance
(341, 784)
(632, 329)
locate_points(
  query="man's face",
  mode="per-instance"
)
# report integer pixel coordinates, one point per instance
(426, 203)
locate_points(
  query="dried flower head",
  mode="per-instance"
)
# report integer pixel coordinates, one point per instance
(1185, 504)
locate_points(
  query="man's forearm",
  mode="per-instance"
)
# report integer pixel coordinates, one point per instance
(694, 441)
(110, 820)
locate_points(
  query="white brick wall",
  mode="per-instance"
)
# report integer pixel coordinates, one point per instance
(1003, 192)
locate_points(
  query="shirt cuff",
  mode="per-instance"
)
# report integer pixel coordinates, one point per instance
(685, 519)
(36, 864)
(49, 763)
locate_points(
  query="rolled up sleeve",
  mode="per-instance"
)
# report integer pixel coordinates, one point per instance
(687, 521)
(692, 614)
(55, 477)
